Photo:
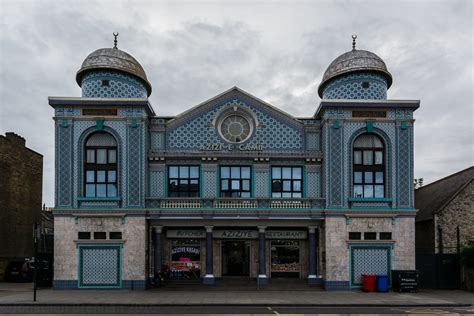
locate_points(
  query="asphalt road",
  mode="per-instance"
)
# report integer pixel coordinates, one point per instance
(229, 309)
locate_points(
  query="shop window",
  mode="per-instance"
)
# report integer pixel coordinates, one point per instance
(368, 167)
(115, 235)
(235, 181)
(100, 235)
(83, 235)
(370, 236)
(183, 181)
(100, 179)
(185, 259)
(285, 258)
(287, 182)
(385, 236)
(355, 236)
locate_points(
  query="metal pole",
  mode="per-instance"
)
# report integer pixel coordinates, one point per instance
(35, 276)
(458, 240)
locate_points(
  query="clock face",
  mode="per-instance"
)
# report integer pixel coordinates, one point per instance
(235, 128)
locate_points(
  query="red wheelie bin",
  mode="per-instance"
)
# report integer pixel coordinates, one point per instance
(368, 282)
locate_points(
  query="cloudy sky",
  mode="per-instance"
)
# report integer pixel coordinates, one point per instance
(276, 50)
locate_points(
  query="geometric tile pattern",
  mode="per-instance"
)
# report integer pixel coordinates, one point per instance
(369, 260)
(209, 183)
(336, 168)
(63, 155)
(351, 87)
(262, 178)
(135, 164)
(404, 170)
(157, 184)
(313, 180)
(387, 132)
(82, 129)
(121, 85)
(273, 134)
(99, 266)
(312, 141)
(157, 140)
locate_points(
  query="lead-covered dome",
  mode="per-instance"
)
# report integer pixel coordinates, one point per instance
(110, 61)
(349, 64)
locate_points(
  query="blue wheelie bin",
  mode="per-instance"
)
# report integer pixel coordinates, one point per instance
(382, 283)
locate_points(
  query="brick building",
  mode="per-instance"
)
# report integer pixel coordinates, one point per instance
(233, 187)
(444, 222)
(21, 183)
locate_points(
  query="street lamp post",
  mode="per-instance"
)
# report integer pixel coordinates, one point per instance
(36, 238)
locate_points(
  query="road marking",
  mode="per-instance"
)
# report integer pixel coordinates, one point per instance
(427, 311)
(270, 309)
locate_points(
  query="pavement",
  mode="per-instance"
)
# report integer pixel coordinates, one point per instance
(21, 294)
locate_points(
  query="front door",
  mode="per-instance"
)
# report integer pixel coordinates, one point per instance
(235, 258)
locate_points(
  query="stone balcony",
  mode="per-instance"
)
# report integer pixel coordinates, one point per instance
(239, 207)
(234, 203)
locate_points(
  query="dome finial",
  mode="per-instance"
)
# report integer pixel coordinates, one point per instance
(354, 36)
(115, 39)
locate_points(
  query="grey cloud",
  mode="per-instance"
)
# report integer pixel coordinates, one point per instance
(276, 51)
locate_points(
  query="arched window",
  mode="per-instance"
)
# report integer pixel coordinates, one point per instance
(100, 179)
(368, 167)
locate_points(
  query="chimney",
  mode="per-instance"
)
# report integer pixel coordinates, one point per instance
(15, 139)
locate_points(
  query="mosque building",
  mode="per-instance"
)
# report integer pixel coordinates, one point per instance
(234, 186)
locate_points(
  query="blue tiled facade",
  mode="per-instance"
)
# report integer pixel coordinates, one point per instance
(357, 86)
(147, 146)
(112, 84)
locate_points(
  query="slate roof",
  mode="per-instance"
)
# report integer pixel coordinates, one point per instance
(352, 61)
(433, 197)
(116, 59)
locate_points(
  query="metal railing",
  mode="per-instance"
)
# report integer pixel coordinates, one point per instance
(234, 203)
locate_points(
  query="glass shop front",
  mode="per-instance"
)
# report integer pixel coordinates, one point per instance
(185, 259)
(236, 252)
(185, 254)
(285, 258)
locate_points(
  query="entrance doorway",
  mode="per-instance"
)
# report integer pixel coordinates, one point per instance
(235, 258)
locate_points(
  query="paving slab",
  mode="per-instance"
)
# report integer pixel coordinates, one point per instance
(21, 294)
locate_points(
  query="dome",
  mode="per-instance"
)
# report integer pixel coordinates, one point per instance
(114, 59)
(355, 61)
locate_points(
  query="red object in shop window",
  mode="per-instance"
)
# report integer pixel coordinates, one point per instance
(368, 282)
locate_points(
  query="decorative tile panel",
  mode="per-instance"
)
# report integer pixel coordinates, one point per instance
(351, 86)
(313, 141)
(386, 131)
(209, 180)
(404, 168)
(157, 183)
(99, 266)
(104, 204)
(336, 167)
(369, 260)
(64, 168)
(135, 165)
(120, 85)
(157, 140)
(313, 181)
(273, 133)
(262, 180)
(82, 129)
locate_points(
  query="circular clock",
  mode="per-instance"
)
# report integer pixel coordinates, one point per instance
(235, 128)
